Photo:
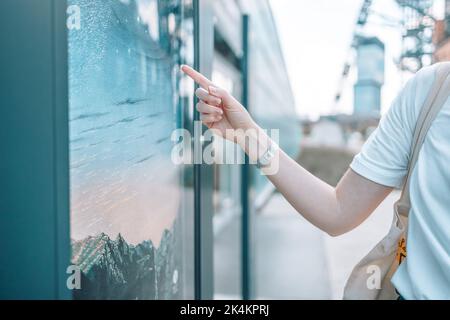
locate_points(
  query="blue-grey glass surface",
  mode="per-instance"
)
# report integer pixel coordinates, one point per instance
(126, 193)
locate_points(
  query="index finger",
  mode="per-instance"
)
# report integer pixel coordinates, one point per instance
(204, 82)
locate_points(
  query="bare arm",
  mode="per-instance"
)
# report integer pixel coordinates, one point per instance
(334, 210)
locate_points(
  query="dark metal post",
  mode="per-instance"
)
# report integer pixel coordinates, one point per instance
(246, 276)
(197, 167)
(34, 166)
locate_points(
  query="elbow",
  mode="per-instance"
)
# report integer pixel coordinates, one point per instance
(339, 224)
(334, 233)
(340, 229)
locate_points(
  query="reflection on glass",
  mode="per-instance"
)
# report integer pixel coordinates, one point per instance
(129, 217)
(227, 196)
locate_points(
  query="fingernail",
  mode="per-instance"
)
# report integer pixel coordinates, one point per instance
(212, 89)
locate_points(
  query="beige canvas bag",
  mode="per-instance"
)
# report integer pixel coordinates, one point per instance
(384, 259)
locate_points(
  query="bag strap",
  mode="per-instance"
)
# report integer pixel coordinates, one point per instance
(436, 99)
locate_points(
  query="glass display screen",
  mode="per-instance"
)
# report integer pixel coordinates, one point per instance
(130, 210)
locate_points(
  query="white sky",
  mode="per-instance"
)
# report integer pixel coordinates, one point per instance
(316, 35)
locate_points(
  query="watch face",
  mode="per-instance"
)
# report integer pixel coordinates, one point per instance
(266, 158)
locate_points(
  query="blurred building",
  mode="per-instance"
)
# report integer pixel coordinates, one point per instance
(370, 64)
(270, 101)
(339, 131)
(418, 24)
(326, 133)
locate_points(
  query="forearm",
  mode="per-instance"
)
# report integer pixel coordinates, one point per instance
(333, 210)
(314, 199)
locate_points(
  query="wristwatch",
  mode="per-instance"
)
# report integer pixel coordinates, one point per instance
(266, 159)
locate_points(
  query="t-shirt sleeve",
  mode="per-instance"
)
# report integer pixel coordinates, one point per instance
(384, 157)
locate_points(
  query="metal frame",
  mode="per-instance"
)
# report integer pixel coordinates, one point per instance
(61, 125)
(241, 63)
(197, 169)
(245, 198)
(34, 224)
(203, 174)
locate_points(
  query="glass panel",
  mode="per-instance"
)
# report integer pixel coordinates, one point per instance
(227, 199)
(131, 206)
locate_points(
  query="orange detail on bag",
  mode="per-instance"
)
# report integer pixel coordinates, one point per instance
(401, 250)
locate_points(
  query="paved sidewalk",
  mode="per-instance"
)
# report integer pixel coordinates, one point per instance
(295, 260)
(290, 255)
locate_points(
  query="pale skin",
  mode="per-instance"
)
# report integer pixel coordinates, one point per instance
(335, 210)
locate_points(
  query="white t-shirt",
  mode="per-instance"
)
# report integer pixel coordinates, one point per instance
(384, 158)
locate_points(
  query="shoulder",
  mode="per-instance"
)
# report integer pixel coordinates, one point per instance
(425, 77)
(411, 99)
(420, 84)
(428, 73)
(385, 156)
